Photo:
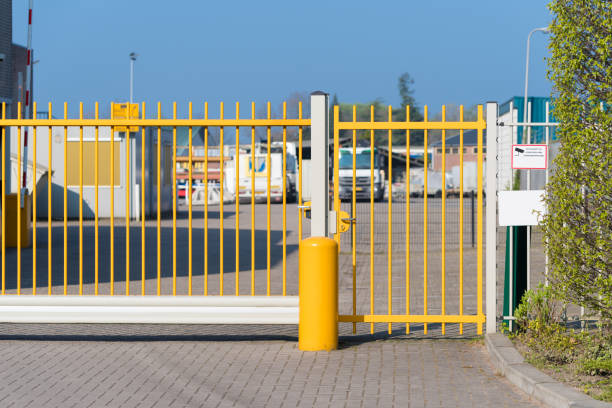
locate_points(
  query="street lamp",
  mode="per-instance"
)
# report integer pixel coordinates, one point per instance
(545, 30)
(133, 56)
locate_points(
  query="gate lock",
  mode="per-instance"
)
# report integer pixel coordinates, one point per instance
(345, 221)
(306, 207)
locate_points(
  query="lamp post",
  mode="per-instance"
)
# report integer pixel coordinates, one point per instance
(528, 132)
(133, 56)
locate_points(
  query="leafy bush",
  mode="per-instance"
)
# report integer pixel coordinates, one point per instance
(578, 224)
(537, 307)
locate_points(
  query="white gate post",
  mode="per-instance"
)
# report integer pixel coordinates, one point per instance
(319, 169)
(491, 219)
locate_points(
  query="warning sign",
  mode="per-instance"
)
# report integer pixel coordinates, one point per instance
(125, 111)
(529, 156)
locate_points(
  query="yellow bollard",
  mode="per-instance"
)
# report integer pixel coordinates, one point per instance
(318, 294)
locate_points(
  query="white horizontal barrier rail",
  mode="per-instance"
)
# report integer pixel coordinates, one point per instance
(159, 309)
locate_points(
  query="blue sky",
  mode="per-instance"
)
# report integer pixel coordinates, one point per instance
(457, 51)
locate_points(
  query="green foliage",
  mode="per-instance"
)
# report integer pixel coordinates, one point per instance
(597, 367)
(537, 308)
(578, 223)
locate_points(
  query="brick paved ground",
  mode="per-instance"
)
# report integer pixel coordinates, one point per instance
(216, 365)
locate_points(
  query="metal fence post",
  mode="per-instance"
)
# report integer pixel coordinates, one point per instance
(491, 219)
(319, 176)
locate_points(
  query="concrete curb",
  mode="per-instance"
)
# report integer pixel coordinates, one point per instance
(510, 363)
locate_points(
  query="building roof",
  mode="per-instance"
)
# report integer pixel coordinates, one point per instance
(470, 138)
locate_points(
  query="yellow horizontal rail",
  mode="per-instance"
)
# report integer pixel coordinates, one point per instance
(156, 122)
(410, 125)
(412, 318)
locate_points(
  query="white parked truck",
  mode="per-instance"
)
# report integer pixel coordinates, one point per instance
(261, 174)
(363, 182)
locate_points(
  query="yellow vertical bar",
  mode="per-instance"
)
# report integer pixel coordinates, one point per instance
(479, 213)
(221, 169)
(159, 142)
(268, 174)
(336, 170)
(4, 200)
(80, 201)
(96, 181)
(127, 205)
(353, 223)
(49, 206)
(143, 207)
(407, 219)
(253, 201)
(284, 201)
(112, 207)
(443, 268)
(461, 220)
(206, 202)
(389, 222)
(65, 201)
(34, 145)
(371, 217)
(174, 201)
(300, 210)
(425, 166)
(18, 206)
(190, 194)
(237, 200)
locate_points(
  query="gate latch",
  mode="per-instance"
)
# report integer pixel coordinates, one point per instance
(345, 221)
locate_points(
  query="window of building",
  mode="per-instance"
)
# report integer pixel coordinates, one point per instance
(455, 150)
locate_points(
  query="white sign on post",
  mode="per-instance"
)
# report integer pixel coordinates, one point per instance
(529, 156)
(522, 207)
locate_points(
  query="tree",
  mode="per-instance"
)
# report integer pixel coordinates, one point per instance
(578, 223)
(405, 83)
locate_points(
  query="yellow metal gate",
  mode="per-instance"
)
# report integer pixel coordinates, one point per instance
(426, 292)
(80, 258)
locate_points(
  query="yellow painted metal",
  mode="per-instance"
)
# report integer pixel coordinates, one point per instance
(253, 202)
(354, 214)
(429, 318)
(66, 203)
(371, 217)
(337, 171)
(412, 125)
(390, 221)
(18, 206)
(174, 199)
(461, 219)
(125, 111)
(96, 181)
(479, 224)
(222, 163)
(407, 219)
(143, 211)
(166, 122)
(300, 210)
(112, 208)
(190, 195)
(34, 144)
(284, 201)
(80, 201)
(318, 294)
(268, 174)
(237, 201)
(425, 166)
(443, 237)
(205, 201)
(4, 203)
(49, 207)
(127, 209)
(159, 143)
